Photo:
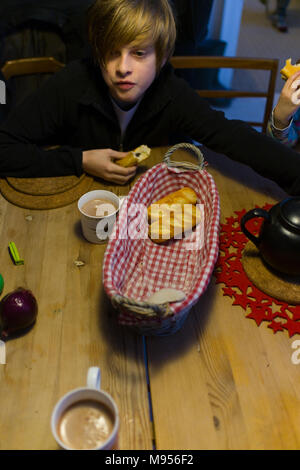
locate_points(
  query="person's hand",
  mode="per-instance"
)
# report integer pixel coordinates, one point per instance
(99, 162)
(288, 102)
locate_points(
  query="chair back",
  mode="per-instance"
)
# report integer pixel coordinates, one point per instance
(214, 62)
(30, 66)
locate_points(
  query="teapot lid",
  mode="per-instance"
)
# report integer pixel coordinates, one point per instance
(290, 211)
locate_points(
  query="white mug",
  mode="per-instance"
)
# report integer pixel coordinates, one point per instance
(90, 393)
(97, 229)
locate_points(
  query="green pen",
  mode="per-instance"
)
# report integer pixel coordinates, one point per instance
(1, 283)
(15, 254)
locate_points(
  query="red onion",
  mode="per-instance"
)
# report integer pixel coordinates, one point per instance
(18, 310)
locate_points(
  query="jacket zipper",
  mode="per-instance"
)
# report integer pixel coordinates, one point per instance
(122, 137)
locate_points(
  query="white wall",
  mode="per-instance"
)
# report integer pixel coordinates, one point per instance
(224, 24)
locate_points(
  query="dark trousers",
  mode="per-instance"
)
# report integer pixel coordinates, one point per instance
(282, 7)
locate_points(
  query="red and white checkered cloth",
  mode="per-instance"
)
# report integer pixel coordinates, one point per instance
(135, 267)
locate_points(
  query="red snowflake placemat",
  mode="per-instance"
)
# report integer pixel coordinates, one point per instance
(229, 271)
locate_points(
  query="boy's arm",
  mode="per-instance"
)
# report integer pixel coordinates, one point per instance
(288, 102)
(234, 138)
(284, 120)
(46, 116)
(289, 135)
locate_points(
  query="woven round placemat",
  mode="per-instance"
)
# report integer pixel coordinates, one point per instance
(45, 186)
(280, 286)
(45, 193)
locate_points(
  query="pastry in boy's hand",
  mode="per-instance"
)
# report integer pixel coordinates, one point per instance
(289, 69)
(135, 157)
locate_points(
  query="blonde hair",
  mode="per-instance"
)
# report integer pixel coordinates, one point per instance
(112, 24)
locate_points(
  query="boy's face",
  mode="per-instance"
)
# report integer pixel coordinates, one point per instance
(129, 72)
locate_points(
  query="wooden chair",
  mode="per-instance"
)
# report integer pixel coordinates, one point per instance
(210, 62)
(30, 66)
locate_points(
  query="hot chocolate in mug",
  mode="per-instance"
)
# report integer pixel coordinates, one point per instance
(86, 418)
(98, 210)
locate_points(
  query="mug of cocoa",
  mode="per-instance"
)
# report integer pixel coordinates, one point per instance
(86, 418)
(98, 210)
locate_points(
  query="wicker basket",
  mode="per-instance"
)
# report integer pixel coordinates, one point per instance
(135, 267)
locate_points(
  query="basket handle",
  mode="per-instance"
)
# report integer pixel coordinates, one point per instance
(195, 151)
(142, 308)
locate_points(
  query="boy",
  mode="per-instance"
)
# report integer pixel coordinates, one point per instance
(127, 96)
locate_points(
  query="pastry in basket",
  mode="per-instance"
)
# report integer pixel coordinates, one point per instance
(178, 222)
(289, 69)
(173, 215)
(184, 195)
(135, 157)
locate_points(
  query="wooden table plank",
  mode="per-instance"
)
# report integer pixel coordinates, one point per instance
(221, 382)
(266, 381)
(76, 328)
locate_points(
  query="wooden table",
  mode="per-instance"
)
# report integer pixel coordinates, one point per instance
(220, 382)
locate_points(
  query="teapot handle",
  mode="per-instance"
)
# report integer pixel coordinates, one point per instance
(251, 215)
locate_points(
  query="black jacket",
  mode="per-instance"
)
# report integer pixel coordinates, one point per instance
(73, 109)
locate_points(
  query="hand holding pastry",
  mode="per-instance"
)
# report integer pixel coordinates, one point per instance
(289, 99)
(100, 163)
(135, 157)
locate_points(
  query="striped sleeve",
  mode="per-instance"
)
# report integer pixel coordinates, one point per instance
(289, 135)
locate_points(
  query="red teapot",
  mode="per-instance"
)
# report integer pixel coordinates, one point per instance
(279, 237)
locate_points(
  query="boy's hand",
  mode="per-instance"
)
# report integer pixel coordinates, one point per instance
(99, 162)
(288, 102)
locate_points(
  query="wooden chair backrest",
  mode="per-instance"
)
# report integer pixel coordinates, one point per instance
(30, 66)
(211, 62)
